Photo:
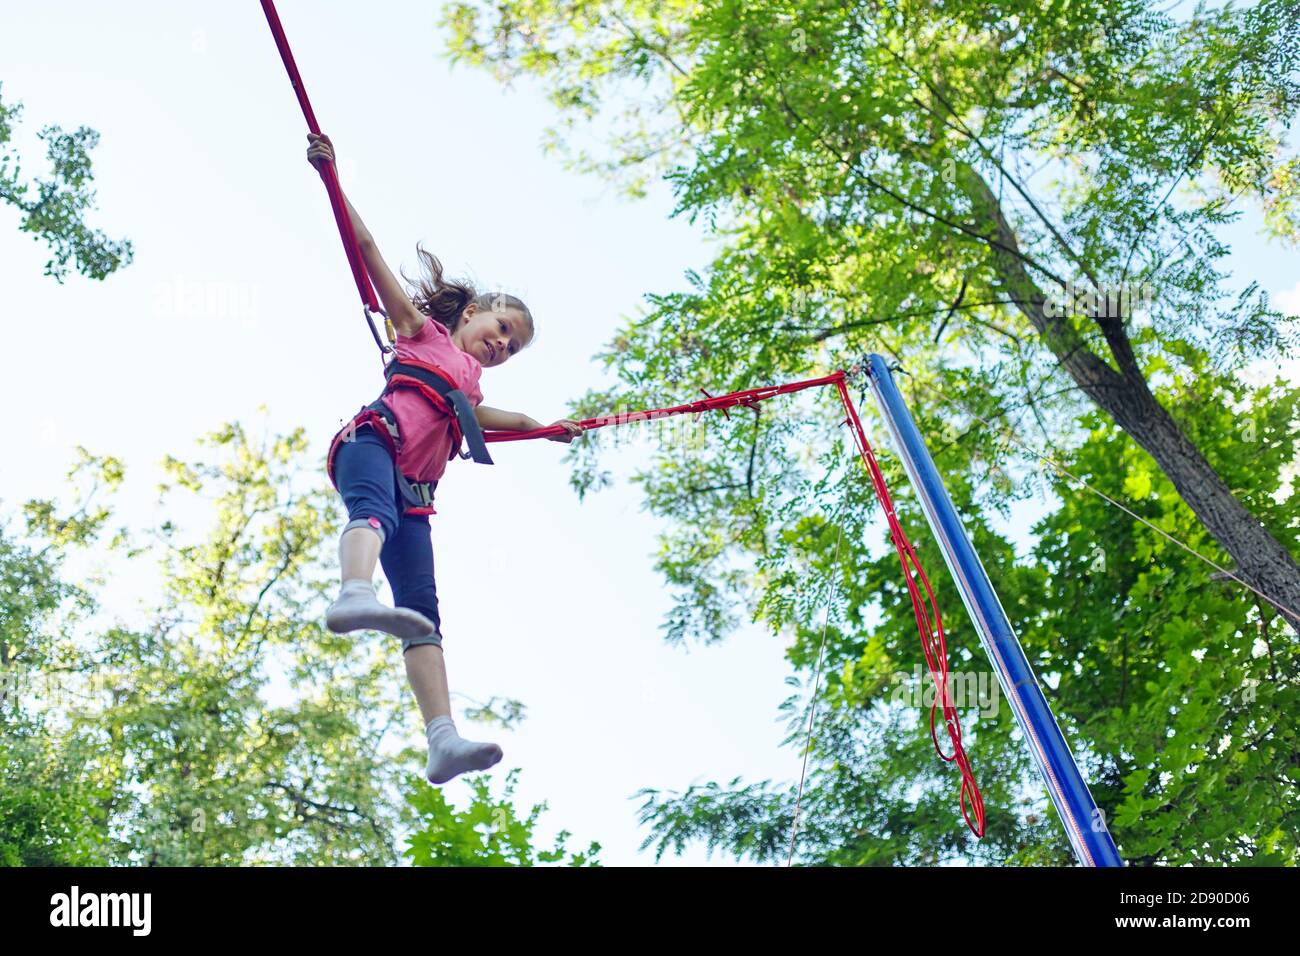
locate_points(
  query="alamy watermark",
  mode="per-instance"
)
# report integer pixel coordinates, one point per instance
(1106, 301)
(211, 300)
(679, 432)
(964, 689)
(75, 908)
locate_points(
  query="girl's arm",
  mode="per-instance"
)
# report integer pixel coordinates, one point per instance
(406, 318)
(495, 419)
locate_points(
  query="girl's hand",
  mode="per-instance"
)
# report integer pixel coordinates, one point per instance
(320, 152)
(572, 431)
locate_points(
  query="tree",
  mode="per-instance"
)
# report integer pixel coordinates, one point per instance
(50, 810)
(55, 215)
(1183, 691)
(1174, 693)
(1018, 203)
(229, 727)
(487, 833)
(881, 168)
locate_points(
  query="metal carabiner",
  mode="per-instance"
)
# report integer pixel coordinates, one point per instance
(374, 330)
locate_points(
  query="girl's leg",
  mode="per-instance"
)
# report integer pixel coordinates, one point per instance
(359, 553)
(427, 671)
(407, 557)
(364, 471)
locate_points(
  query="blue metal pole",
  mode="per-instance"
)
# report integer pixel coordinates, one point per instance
(1084, 823)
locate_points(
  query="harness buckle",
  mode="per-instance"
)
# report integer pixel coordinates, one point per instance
(418, 494)
(424, 492)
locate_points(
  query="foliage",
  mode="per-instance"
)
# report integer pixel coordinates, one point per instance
(487, 833)
(228, 726)
(51, 809)
(951, 184)
(1172, 683)
(56, 213)
(1182, 680)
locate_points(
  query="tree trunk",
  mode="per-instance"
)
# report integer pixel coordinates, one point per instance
(1261, 559)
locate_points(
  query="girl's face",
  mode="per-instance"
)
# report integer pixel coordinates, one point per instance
(491, 337)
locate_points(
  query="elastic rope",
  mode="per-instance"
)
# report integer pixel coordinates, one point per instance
(328, 175)
(744, 398)
(929, 626)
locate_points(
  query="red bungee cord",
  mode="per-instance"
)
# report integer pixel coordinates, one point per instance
(929, 625)
(329, 175)
(933, 643)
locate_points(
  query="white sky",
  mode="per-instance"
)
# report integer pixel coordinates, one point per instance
(240, 296)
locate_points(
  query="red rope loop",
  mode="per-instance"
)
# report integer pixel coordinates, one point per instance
(928, 624)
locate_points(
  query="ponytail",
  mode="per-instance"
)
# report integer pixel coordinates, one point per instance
(444, 301)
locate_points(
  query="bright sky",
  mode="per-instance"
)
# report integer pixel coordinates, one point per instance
(240, 296)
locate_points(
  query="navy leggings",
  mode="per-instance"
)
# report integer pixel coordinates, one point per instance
(367, 481)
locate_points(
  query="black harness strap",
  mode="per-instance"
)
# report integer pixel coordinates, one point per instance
(454, 397)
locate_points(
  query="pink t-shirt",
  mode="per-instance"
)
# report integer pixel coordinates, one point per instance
(426, 435)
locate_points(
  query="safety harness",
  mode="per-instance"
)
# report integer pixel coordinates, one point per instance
(437, 388)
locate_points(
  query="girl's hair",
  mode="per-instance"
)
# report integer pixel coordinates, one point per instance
(444, 301)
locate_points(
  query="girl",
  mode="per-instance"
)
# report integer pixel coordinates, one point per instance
(386, 461)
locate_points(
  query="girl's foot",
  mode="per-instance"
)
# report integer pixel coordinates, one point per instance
(357, 609)
(450, 754)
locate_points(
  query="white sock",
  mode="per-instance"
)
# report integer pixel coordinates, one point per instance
(356, 609)
(450, 754)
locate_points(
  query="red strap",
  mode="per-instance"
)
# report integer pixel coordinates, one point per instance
(747, 399)
(328, 174)
(438, 402)
(930, 628)
(367, 416)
